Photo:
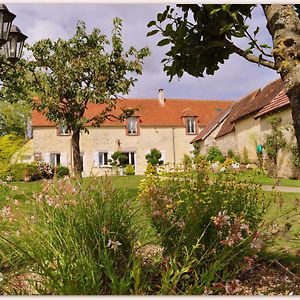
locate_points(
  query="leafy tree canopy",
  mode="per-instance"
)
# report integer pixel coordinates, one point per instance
(14, 117)
(201, 37)
(87, 68)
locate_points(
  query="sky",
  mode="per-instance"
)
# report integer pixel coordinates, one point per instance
(235, 79)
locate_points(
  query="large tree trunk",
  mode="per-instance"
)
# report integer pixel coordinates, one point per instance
(76, 152)
(284, 26)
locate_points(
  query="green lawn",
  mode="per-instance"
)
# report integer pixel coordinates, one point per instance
(266, 180)
(284, 211)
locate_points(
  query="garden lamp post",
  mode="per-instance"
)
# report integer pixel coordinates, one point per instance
(11, 37)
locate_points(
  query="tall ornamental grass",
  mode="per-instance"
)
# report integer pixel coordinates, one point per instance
(188, 232)
(80, 239)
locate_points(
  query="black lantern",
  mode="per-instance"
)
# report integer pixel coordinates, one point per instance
(14, 46)
(6, 18)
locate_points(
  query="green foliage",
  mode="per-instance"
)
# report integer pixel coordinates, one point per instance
(150, 169)
(129, 170)
(119, 159)
(195, 31)
(187, 161)
(196, 150)
(9, 144)
(154, 157)
(230, 153)
(245, 157)
(61, 171)
(72, 73)
(275, 140)
(84, 237)
(33, 171)
(14, 117)
(212, 221)
(215, 154)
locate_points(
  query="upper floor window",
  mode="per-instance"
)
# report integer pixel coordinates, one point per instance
(191, 125)
(63, 130)
(132, 126)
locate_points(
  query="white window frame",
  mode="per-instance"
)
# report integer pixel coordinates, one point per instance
(132, 126)
(102, 154)
(55, 164)
(63, 130)
(191, 125)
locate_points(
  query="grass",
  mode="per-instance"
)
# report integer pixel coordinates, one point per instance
(284, 210)
(266, 180)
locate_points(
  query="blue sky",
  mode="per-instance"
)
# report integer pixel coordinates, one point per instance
(235, 79)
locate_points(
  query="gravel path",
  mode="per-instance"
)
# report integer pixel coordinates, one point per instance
(285, 189)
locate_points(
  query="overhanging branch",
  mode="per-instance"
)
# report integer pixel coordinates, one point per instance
(252, 58)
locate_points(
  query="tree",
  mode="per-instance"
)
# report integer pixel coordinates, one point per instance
(274, 141)
(154, 157)
(80, 71)
(14, 117)
(203, 36)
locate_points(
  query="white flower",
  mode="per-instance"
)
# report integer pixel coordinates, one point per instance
(114, 245)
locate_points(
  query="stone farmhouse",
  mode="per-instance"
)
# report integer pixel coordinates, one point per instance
(165, 124)
(243, 126)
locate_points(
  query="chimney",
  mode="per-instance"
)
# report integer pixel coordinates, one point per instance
(161, 96)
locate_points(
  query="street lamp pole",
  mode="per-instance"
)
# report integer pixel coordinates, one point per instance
(11, 37)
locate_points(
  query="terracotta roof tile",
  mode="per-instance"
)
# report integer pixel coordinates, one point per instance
(279, 101)
(209, 128)
(152, 113)
(250, 104)
(262, 98)
(228, 125)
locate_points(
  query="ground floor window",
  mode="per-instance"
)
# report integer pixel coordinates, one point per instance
(130, 158)
(55, 159)
(103, 159)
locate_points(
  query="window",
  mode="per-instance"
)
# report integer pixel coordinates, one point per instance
(55, 159)
(132, 126)
(103, 159)
(191, 125)
(37, 156)
(130, 158)
(63, 130)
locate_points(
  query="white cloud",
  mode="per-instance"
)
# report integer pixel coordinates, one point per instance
(235, 78)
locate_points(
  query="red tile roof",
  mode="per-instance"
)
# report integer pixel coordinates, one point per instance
(251, 104)
(209, 128)
(152, 113)
(228, 125)
(262, 98)
(281, 100)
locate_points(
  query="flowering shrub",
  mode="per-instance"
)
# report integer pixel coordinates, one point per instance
(218, 213)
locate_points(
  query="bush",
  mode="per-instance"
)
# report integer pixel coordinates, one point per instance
(207, 225)
(62, 171)
(129, 170)
(245, 157)
(230, 153)
(17, 171)
(9, 144)
(154, 157)
(150, 169)
(215, 154)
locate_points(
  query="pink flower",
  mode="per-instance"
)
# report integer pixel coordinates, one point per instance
(6, 212)
(221, 219)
